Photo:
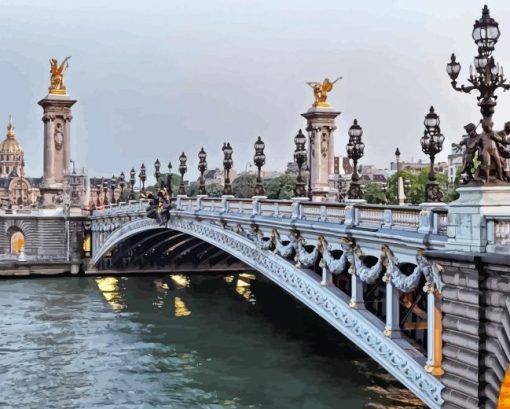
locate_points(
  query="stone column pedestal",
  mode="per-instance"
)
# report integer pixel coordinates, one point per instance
(467, 216)
(57, 144)
(320, 127)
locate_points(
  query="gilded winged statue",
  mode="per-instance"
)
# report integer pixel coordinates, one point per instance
(57, 85)
(320, 91)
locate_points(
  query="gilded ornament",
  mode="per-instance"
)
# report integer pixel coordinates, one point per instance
(321, 90)
(57, 86)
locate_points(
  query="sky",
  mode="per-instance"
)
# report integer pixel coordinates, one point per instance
(155, 78)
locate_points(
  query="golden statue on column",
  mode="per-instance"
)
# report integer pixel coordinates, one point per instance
(57, 85)
(320, 91)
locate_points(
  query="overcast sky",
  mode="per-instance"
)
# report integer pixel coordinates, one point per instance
(154, 78)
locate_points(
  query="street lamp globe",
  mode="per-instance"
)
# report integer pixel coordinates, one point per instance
(355, 130)
(202, 155)
(486, 32)
(300, 139)
(453, 68)
(431, 121)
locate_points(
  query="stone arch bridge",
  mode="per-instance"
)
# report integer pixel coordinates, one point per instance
(385, 277)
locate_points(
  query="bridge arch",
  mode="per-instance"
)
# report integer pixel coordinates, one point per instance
(328, 302)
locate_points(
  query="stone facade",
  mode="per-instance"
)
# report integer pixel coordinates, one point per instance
(476, 328)
(48, 236)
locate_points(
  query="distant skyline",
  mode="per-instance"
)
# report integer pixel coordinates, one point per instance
(156, 78)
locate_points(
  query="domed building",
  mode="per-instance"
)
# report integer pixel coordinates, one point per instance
(15, 188)
(12, 157)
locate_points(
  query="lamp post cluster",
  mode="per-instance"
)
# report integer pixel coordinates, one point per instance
(431, 144)
(487, 76)
(183, 168)
(259, 159)
(202, 167)
(355, 150)
(227, 165)
(300, 158)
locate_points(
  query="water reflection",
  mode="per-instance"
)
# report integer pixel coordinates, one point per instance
(68, 343)
(180, 308)
(109, 287)
(180, 280)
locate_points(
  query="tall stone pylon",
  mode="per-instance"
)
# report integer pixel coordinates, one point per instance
(321, 153)
(57, 133)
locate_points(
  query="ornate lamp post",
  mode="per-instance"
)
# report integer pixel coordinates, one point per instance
(202, 167)
(132, 182)
(488, 75)
(157, 173)
(143, 177)
(122, 185)
(300, 159)
(431, 144)
(259, 159)
(113, 185)
(169, 180)
(105, 190)
(355, 150)
(99, 188)
(227, 165)
(182, 169)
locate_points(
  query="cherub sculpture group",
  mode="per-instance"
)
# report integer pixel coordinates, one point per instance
(490, 147)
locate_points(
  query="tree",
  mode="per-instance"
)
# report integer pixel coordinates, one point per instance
(192, 189)
(243, 185)
(415, 194)
(373, 193)
(176, 181)
(214, 190)
(281, 187)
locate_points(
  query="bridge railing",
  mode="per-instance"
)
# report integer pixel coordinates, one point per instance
(412, 218)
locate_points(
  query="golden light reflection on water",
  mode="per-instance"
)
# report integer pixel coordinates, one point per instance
(243, 284)
(400, 398)
(180, 279)
(180, 308)
(109, 287)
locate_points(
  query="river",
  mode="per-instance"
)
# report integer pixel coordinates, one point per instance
(176, 341)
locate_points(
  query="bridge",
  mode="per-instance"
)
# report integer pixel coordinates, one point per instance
(386, 277)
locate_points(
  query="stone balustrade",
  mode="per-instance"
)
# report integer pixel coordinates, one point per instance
(406, 218)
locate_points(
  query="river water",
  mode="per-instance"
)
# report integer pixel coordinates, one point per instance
(176, 341)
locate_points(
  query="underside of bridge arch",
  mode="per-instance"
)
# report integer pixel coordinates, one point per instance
(167, 251)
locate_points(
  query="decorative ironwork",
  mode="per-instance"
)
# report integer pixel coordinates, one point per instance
(157, 173)
(183, 168)
(169, 180)
(122, 185)
(300, 158)
(355, 150)
(431, 144)
(486, 78)
(113, 185)
(227, 165)
(259, 159)
(202, 167)
(132, 181)
(143, 177)
(104, 182)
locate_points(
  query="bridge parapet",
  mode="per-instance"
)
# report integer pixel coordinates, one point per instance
(412, 226)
